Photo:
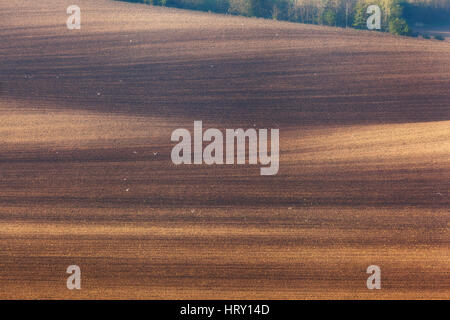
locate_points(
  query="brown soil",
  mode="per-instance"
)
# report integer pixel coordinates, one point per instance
(86, 176)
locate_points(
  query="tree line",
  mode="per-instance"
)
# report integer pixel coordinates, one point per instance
(397, 15)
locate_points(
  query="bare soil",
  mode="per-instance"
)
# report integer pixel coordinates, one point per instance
(86, 176)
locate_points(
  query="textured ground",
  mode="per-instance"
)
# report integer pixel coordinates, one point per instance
(86, 176)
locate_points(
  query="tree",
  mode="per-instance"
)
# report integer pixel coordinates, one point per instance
(399, 26)
(360, 16)
(240, 7)
(329, 17)
(262, 8)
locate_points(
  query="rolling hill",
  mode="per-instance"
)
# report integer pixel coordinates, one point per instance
(86, 176)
